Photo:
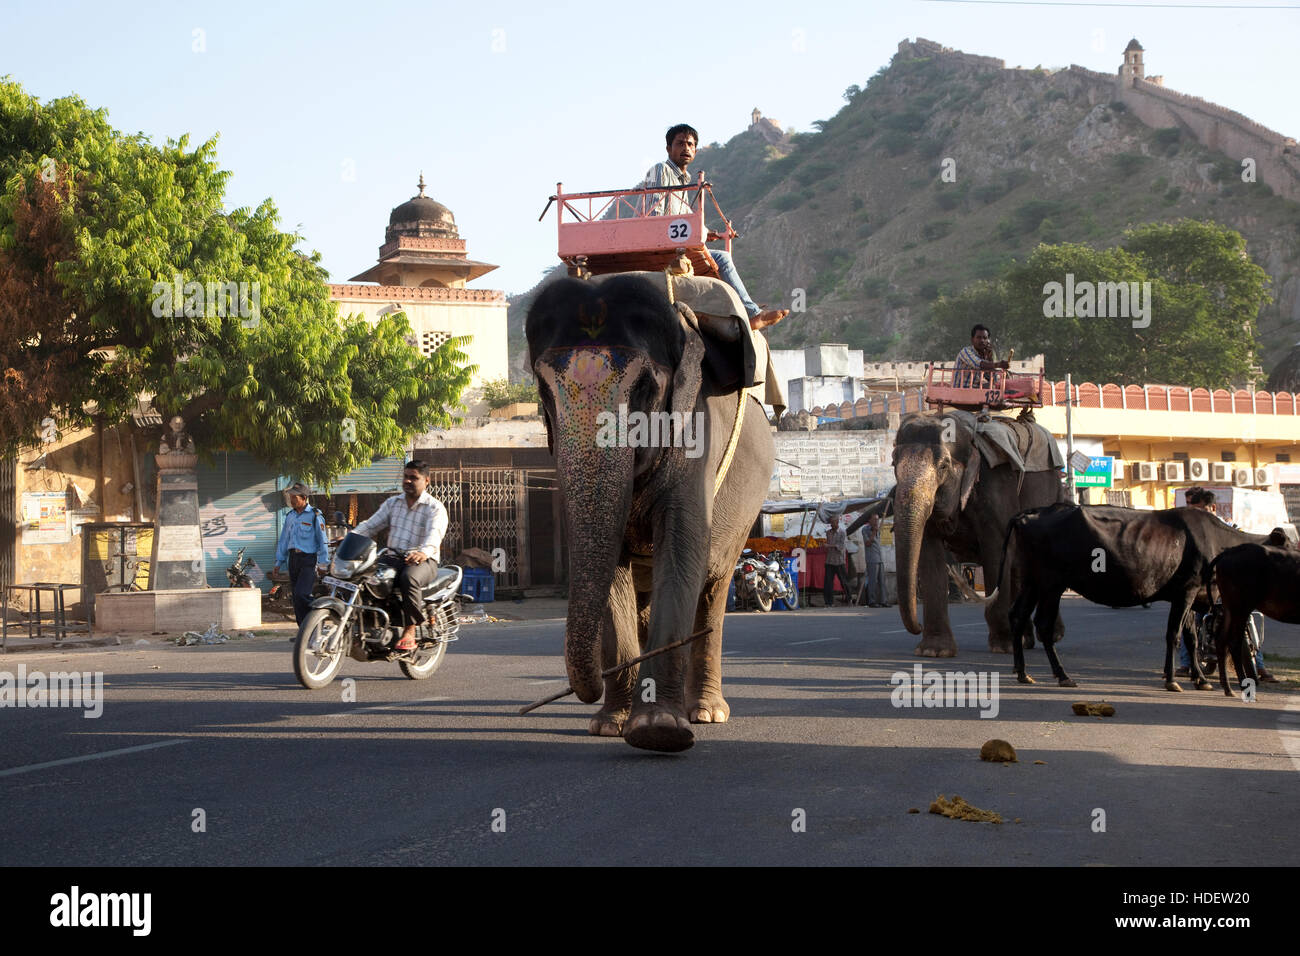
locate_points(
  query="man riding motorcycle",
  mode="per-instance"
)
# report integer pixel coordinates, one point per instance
(416, 522)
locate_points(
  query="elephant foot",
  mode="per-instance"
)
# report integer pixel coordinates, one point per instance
(657, 728)
(709, 709)
(608, 723)
(1172, 686)
(1025, 679)
(1066, 682)
(936, 647)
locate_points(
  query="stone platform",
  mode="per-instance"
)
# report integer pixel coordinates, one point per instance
(175, 611)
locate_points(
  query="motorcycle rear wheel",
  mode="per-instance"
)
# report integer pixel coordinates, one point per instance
(313, 667)
(763, 598)
(425, 663)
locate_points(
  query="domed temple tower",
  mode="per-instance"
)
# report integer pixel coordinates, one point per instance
(423, 270)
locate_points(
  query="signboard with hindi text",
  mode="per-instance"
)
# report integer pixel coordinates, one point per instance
(1098, 474)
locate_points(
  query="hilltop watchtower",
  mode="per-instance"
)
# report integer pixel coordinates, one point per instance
(1132, 68)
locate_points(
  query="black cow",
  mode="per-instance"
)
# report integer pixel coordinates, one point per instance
(1252, 577)
(1119, 557)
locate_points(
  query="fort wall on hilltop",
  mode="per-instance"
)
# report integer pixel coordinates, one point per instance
(1277, 157)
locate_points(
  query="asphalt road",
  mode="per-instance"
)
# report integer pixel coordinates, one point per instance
(816, 765)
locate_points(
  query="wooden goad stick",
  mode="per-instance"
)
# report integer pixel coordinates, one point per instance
(618, 667)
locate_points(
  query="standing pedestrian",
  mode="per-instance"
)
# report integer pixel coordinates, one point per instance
(302, 548)
(873, 582)
(837, 544)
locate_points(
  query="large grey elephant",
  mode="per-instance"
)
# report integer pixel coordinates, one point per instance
(651, 547)
(959, 484)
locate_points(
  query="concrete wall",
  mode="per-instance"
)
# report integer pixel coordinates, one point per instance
(75, 459)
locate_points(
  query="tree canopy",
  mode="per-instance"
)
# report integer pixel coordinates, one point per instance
(121, 273)
(1174, 303)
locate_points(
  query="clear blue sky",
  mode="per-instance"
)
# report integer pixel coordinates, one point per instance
(333, 109)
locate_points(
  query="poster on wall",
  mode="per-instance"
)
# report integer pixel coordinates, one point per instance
(45, 517)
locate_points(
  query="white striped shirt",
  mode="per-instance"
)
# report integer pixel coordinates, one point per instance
(667, 173)
(417, 528)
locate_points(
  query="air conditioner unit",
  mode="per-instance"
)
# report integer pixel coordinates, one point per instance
(1263, 477)
(1147, 471)
(1173, 471)
(1117, 469)
(1243, 477)
(1221, 471)
(1198, 469)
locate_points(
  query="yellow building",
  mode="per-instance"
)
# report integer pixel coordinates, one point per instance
(1165, 438)
(423, 270)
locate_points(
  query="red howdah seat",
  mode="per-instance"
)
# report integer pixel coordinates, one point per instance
(614, 230)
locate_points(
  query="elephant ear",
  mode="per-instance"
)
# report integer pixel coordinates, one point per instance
(689, 373)
(970, 474)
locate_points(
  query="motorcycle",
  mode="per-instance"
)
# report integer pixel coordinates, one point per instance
(765, 579)
(1207, 625)
(780, 582)
(358, 616)
(238, 574)
(748, 584)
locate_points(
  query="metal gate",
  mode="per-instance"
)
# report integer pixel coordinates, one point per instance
(485, 509)
(8, 518)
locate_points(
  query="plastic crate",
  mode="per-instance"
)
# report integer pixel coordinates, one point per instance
(478, 585)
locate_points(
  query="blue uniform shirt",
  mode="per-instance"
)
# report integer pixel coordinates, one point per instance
(305, 531)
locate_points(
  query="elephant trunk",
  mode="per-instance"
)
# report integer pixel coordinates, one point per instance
(913, 504)
(598, 494)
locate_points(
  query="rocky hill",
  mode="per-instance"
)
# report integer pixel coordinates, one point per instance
(947, 165)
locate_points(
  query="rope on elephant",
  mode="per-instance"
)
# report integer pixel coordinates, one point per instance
(731, 444)
(610, 672)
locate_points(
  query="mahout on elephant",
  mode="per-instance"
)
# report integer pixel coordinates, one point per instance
(959, 481)
(1118, 557)
(655, 517)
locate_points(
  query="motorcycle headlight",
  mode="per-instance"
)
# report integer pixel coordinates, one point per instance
(343, 569)
(386, 573)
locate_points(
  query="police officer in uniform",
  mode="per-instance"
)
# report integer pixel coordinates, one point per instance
(302, 547)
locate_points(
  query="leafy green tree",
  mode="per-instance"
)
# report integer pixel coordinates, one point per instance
(97, 228)
(1204, 295)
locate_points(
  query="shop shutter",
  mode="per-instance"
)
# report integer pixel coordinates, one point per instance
(239, 505)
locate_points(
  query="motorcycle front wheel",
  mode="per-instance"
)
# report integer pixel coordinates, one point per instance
(763, 597)
(792, 593)
(427, 660)
(318, 652)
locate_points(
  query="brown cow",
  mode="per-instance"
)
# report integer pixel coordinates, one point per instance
(1252, 577)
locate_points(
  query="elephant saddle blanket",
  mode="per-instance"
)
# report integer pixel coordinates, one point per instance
(737, 356)
(1025, 446)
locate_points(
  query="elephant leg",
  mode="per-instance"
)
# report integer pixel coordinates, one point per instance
(997, 613)
(618, 643)
(936, 632)
(658, 720)
(704, 701)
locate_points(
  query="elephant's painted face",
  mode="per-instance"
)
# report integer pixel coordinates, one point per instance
(592, 389)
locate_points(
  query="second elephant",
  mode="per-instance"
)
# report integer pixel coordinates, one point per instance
(960, 481)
